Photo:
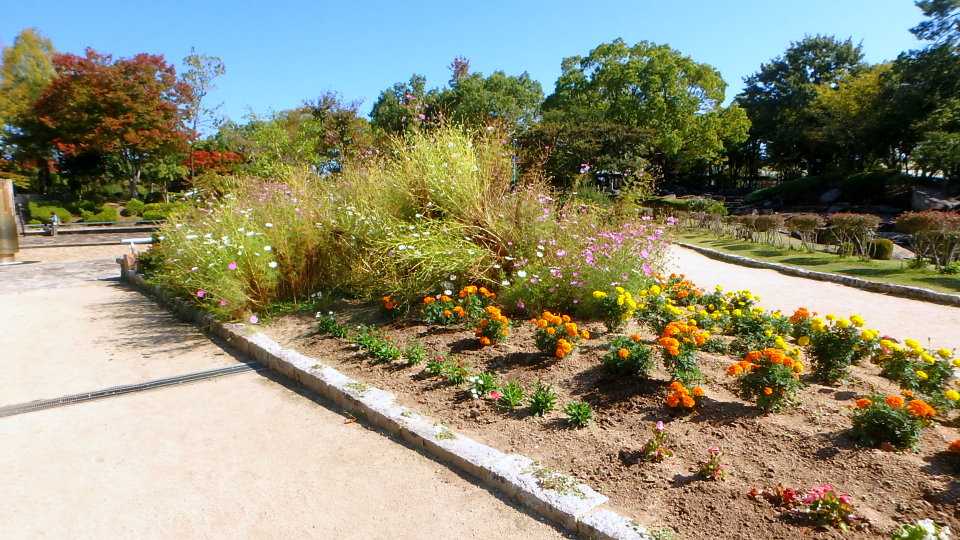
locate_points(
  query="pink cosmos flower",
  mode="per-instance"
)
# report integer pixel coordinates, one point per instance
(660, 425)
(201, 293)
(223, 302)
(232, 266)
(495, 395)
(254, 319)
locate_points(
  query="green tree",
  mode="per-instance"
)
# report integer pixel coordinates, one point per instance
(201, 73)
(402, 106)
(779, 96)
(943, 23)
(26, 70)
(653, 88)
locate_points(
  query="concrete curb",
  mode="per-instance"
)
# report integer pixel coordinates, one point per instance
(573, 506)
(904, 291)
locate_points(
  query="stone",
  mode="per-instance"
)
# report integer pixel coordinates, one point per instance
(831, 196)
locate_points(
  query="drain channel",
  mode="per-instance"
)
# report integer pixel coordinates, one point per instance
(21, 408)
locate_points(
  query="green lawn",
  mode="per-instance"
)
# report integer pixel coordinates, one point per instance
(885, 271)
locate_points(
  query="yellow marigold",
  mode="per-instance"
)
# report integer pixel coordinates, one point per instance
(803, 341)
(655, 289)
(952, 395)
(585, 334)
(623, 353)
(857, 320)
(922, 375)
(445, 298)
(551, 330)
(843, 323)
(944, 353)
(599, 295)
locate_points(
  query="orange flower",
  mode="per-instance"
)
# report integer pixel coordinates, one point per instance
(541, 323)
(636, 338)
(799, 315)
(484, 341)
(954, 447)
(429, 300)
(673, 400)
(571, 329)
(585, 334)
(551, 330)
(894, 401)
(921, 409)
(697, 391)
(460, 311)
(688, 401)
(445, 298)
(734, 370)
(767, 391)
(863, 403)
(623, 353)
(907, 394)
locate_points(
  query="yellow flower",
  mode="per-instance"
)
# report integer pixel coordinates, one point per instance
(599, 294)
(780, 343)
(620, 290)
(952, 395)
(927, 357)
(843, 323)
(857, 320)
(655, 289)
(737, 313)
(912, 343)
(803, 341)
(922, 375)
(944, 353)
(831, 316)
(956, 362)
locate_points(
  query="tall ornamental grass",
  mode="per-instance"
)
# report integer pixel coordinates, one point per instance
(437, 211)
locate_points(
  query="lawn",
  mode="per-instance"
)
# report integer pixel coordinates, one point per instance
(893, 271)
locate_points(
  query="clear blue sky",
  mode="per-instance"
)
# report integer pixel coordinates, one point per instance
(281, 52)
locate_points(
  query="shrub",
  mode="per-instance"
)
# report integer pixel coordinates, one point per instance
(805, 226)
(935, 235)
(880, 249)
(680, 342)
(837, 344)
(769, 377)
(511, 395)
(378, 346)
(616, 309)
(493, 328)
(543, 399)
(43, 213)
(455, 371)
(628, 356)
(854, 229)
(579, 413)
(557, 335)
(800, 190)
(443, 310)
(106, 214)
(918, 370)
(879, 421)
(160, 211)
(712, 468)
(133, 207)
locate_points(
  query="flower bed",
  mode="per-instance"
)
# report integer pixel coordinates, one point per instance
(808, 446)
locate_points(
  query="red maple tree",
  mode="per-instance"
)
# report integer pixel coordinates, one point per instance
(131, 109)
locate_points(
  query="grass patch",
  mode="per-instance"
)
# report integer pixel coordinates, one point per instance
(893, 271)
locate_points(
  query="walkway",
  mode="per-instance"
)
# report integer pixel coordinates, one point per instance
(241, 456)
(894, 316)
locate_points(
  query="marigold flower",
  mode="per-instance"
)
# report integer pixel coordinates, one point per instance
(952, 395)
(954, 447)
(447, 313)
(767, 391)
(697, 391)
(429, 300)
(623, 353)
(636, 338)
(484, 341)
(921, 409)
(585, 334)
(803, 341)
(922, 375)
(688, 401)
(673, 400)
(571, 329)
(863, 403)
(894, 401)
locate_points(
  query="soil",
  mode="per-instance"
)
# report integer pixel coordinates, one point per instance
(800, 448)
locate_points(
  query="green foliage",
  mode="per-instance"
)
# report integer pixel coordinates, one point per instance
(43, 212)
(512, 395)
(375, 344)
(482, 384)
(327, 324)
(770, 382)
(414, 353)
(543, 399)
(160, 211)
(924, 529)
(106, 213)
(627, 356)
(134, 207)
(880, 248)
(455, 371)
(579, 413)
(688, 204)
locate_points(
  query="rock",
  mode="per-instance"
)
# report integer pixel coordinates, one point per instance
(831, 196)
(924, 200)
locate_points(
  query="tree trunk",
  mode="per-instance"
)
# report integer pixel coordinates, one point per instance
(135, 182)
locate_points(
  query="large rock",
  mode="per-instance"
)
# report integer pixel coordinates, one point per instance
(924, 200)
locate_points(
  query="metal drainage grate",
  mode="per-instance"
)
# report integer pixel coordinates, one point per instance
(11, 410)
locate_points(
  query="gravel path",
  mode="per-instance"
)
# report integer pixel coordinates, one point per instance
(894, 316)
(241, 456)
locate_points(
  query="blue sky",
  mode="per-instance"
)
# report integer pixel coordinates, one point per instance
(279, 53)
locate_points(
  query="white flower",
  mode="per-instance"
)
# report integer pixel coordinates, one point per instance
(505, 283)
(268, 225)
(540, 254)
(453, 277)
(272, 264)
(267, 248)
(521, 273)
(448, 292)
(178, 225)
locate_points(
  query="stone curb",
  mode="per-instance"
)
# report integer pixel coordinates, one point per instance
(904, 291)
(573, 505)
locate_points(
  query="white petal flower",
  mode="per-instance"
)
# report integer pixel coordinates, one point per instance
(522, 273)
(267, 248)
(272, 264)
(268, 225)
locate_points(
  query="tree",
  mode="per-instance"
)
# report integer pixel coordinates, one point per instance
(778, 100)
(201, 72)
(653, 88)
(402, 106)
(26, 70)
(943, 25)
(130, 110)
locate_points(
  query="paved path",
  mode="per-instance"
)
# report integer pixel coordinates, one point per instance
(241, 456)
(894, 316)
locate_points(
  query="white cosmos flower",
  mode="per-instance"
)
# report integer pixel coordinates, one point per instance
(272, 264)
(448, 292)
(505, 283)
(191, 237)
(521, 273)
(267, 248)
(453, 277)
(268, 225)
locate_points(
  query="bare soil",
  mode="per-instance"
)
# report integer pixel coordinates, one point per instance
(801, 447)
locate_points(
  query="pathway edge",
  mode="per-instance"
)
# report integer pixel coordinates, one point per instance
(580, 511)
(903, 291)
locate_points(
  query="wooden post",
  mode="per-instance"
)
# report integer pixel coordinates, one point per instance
(9, 241)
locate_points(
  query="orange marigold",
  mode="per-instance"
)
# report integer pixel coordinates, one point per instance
(697, 391)
(484, 341)
(767, 391)
(429, 300)
(921, 409)
(863, 403)
(955, 447)
(623, 353)
(894, 401)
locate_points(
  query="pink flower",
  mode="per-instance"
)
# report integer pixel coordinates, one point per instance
(232, 266)
(223, 302)
(254, 319)
(495, 395)
(713, 451)
(201, 293)
(660, 425)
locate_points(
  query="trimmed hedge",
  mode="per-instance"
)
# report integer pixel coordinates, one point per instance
(875, 186)
(106, 213)
(159, 211)
(134, 207)
(43, 212)
(688, 204)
